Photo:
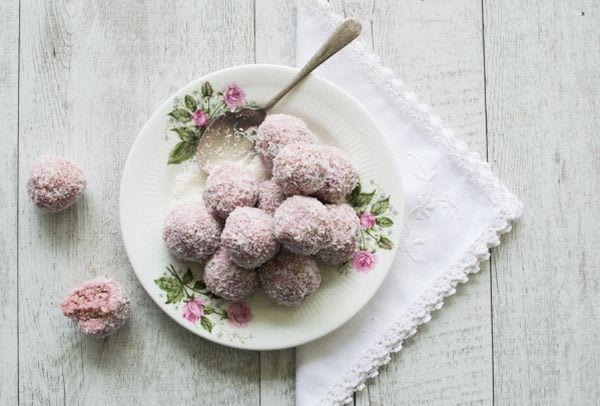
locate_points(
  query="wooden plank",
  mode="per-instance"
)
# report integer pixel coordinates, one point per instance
(9, 87)
(542, 70)
(436, 48)
(91, 75)
(275, 34)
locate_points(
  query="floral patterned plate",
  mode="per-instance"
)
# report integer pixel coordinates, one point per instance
(163, 152)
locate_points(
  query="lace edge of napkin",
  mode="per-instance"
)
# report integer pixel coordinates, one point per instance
(475, 169)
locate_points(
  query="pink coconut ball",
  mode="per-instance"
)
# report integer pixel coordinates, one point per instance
(270, 196)
(228, 186)
(249, 237)
(290, 278)
(340, 177)
(300, 169)
(99, 307)
(191, 233)
(302, 225)
(344, 235)
(55, 183)
(227, 280)
(277, 131)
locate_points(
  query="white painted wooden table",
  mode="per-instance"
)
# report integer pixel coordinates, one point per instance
(519, 80)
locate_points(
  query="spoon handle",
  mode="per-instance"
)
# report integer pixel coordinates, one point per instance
(345, 33)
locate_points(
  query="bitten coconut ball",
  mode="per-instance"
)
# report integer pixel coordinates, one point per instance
(340, 177)
(302, 225)
(270, 196)
(99, 307)
(55, 183)
(289, 278)
(249, 237)
(344, 235)
(277, 131)
(191, 233)
(229, 185)
(227, 280)
(300, 169)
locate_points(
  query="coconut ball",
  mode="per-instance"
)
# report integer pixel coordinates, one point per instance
(289, 278)
(228, 186)
(340, 177)
(227, 280)
(344, 235)
(191, 233)
(270, 196)
(249, 237)
(302, 225)
(55, 183)
(99, 307)
(277, 131)
(300, 169)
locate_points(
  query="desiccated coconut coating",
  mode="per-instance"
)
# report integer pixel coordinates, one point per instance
(99, 307)
(289, 278)
(191, 233)
(302, 225)
(277, 131)
(227, 280)
(340, 177)
(229, 185)
(249, 237)
(270, 196)
(300, 169)
(55, 183)
(344, 234)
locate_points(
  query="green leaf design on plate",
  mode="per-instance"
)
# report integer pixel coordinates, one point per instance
(381, 206)
(385, 243)
(208, 310)
(199, 285)
(384, 222)
(206, 89)
(182, 152)
(206, 324)
(181, 115)
(175, 295)
(190, 103)
(363, 199)
(187, 276)
(187, 134)
(354, 194)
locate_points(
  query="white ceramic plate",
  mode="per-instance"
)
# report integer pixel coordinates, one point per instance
(258, 324)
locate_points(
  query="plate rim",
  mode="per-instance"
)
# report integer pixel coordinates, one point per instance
(136, 145)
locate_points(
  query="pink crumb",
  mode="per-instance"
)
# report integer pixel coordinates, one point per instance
(99, 307)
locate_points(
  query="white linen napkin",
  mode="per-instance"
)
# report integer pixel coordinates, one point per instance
(455, 210)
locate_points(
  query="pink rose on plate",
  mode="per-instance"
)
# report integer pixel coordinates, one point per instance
(367, 220)
(239, 314)
(363, 261)
(234, 96)
(193, 310)
(199, 118)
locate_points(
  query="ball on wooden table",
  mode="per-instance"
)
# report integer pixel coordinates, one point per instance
(228, 186)
(290, 278)
(249, 237)
(227, 280)
(99, 307)
(55, 183)
(302, 225)
(344, 235)
(277, 131)
(191, 233)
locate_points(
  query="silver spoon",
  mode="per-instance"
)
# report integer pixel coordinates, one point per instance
(225, 138)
